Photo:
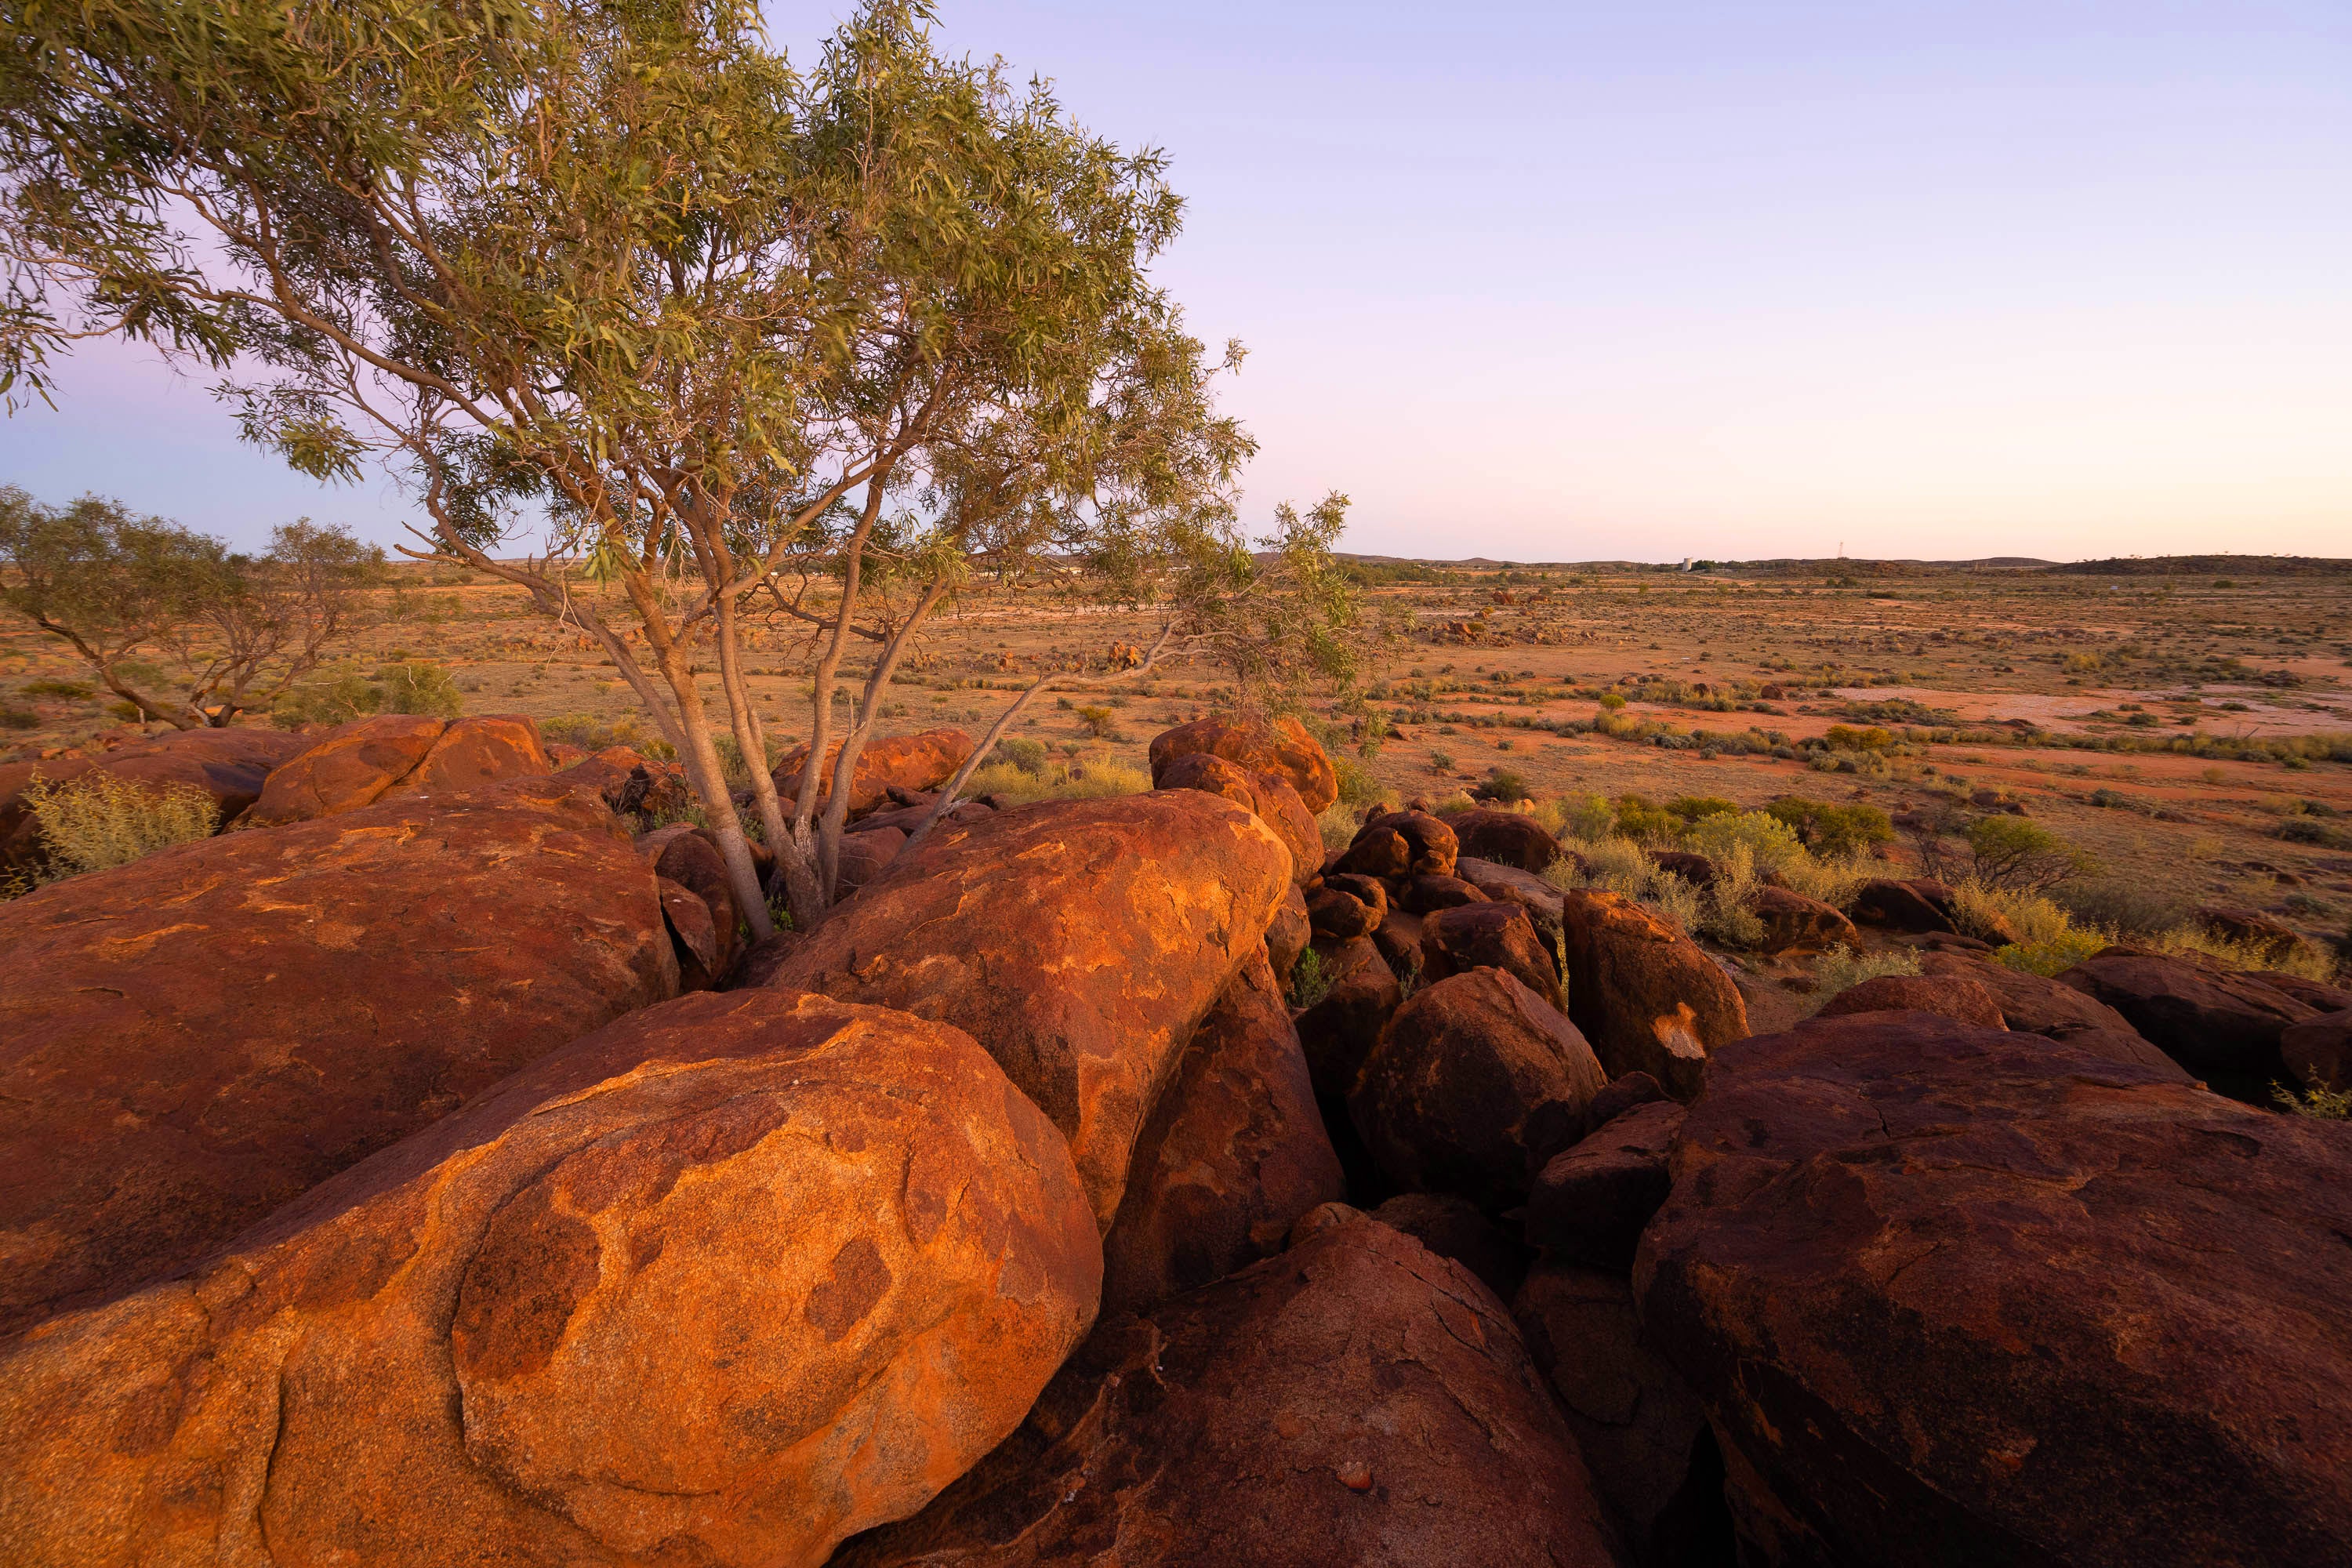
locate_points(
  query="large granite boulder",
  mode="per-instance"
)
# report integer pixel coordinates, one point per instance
(2038, 1005)
(1356, 1399)
(1644, 995)
(1793, 923)
(395, 755)
(921, 762)
(718, 1284)
(1280, 746)
(1504, 838)
(1080, 943)
(2219, 1024)
(189, 1041)
(1488, 935)
(1233, 1153)
(1643, 1434)
(1268, 793)
(1475, 1082)
(229, 765)
(1400, 844)
(1917, 906)
(1953, 1294)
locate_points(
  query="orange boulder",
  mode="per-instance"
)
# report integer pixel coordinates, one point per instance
(718, 1284)
(190, 1041)
(395, 755)
(1646, 996)
(1280, 746)
(921, 762)
(1081, 942)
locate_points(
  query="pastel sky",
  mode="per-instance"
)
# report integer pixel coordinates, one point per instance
(1652, 279)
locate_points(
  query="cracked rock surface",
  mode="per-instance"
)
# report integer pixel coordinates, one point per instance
(1953, 1294)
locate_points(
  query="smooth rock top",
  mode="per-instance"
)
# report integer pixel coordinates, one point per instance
(1356, 1399)
(920, 762)
(1505, 838)
(396, 754)
(1959, 1296)
(718, 1284)
(1279, 745)
(1081, 944)
(191, 1040)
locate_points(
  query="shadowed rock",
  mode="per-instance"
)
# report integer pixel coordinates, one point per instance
(1952, 997)
(1488, 935)
(1918, 905)
(1233, 1153)
(1644, 995)
(1476, 1083)
(1589, 1201)
(2318, 1051)
(1356, 1400)
(718, 1284)
(688, 856)
(192, 1040)
(1958, 1296)
(1338, 1031)
(1794, 922)
(1080, 943)
(2222, 1025)
(1637, 1424)
(1504, 838)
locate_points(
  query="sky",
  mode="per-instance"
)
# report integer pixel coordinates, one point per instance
(1650, 280)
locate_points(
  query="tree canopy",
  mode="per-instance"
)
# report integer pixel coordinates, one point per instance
(615, 273)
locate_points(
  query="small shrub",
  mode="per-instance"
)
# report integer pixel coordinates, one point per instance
(1843, 969)
(2062, 952)
(1677, 903)
(418, 686)
(15, 718)
(2326, 1104)
(1099, 722)
(2017, 853)
(98, 820)
(1768, 842)
(2128, 908)
(1357, 784)
(77, 691)
(1077, 779)
(1439, 763)
(1309, 981)
(1337, 826)
(1024, 754)
(592, 735)
(1846, 738)
(1504, 786)
(2303, 959)
(1640, 817)
(1827, 828)
(1698, 807)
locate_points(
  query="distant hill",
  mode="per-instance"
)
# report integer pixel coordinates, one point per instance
(2209, 565)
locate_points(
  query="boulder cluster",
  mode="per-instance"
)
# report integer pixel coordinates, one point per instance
(425, 1171)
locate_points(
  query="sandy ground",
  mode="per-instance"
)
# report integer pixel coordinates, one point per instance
(2265, 657)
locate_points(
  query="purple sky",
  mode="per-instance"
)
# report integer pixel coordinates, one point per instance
(1671, 279)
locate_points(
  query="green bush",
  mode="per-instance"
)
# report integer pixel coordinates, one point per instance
(1309, 981)
(2020, 854)
(98, 820)
(77, 691)
(1357, 784)
(1642, 818)
(1020, 751)
(1698, 807)
(409, 687)
(1504, 786)
(1099, 722)
(1827, 828)
(1769, 842)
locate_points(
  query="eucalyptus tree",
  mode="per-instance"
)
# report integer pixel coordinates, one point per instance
(240, 629)
(617, 265)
